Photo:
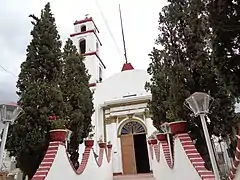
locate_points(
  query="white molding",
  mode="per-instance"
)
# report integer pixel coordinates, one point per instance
(126, 100)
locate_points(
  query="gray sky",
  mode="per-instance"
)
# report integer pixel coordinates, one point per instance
(140, 25)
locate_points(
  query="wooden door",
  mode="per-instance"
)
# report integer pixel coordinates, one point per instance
(128, 155)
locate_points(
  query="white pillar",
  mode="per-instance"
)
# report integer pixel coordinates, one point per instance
(148, 122)
(149, 125)
(112, 136)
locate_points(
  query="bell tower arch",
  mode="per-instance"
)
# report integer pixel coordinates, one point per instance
(85, 38)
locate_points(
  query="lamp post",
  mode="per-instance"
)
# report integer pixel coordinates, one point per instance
(199, 104)
(8, 114)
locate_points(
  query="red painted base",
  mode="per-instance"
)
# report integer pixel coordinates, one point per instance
(89, 143)
(58, 135)
(161, 136)
(178, 127)
(109, 146)
(117, 174)
(102, 145)
(154, 141)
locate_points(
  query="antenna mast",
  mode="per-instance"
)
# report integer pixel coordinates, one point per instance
(124, 44)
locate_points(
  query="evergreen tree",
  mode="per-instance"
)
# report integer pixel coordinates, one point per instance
(185, 62)
(39, 94)
(224, 20)
(78, 95)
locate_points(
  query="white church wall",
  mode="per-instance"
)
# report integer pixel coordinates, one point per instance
(90, 64)
(130, 107)
(150, 127)
(116, 149)
(125, 83)
(122, 84)
(62, 170)
(183, 168)
(132, 111)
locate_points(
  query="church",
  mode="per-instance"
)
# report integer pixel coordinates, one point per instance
(120, 103)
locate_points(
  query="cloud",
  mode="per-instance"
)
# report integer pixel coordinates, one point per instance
(14, 38)
(8, 92)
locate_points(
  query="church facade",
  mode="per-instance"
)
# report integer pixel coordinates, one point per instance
(120, 103)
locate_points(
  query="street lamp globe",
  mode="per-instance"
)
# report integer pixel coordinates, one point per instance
(8, 114)
(199, 103)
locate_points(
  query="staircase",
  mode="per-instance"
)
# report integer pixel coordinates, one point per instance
(134, 177)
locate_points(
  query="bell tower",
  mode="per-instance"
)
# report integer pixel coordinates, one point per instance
(85, 38)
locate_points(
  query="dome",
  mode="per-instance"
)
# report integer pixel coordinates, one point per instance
(124, 84)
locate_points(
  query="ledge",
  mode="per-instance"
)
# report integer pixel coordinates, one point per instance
(47, 161)
(190, 151)
(50, 155)
(194, 156)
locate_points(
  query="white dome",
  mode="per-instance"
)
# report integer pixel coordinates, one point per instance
(123, 84)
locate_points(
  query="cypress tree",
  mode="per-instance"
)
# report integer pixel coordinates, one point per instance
(183, 65)
(224, 18)
(77, 95)
(39, 93)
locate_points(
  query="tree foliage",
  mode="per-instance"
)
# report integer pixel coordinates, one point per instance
(77, 95)
(182, 64)
(224, 18)
(50, 83)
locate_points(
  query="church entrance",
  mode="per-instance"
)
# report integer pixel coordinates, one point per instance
(134, 148)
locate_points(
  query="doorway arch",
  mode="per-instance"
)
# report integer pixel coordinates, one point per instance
(134, 147)
(138, 126)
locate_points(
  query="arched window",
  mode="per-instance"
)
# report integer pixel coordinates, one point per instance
(132, 127)
(82, 46)
(83, 28)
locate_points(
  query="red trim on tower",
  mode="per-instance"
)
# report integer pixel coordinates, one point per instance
(85, 32)
(86, 20)
(79, 33)
(127, 66)
(92, 85)
(94, 53)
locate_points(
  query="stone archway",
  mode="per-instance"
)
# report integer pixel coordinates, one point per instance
(134, 147)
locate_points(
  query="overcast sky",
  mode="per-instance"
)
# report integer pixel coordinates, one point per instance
(140, 20)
